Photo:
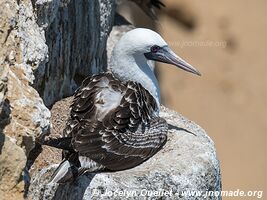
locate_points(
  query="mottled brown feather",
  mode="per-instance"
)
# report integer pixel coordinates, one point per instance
(117, 135)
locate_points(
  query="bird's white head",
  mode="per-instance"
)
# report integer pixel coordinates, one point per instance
(134, 55)
(138, 41)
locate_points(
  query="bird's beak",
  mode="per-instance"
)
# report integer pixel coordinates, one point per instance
(166, 55)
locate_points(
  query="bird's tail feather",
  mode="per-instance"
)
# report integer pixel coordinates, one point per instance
(66, 172)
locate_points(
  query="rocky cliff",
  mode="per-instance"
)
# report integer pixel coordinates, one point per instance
(47, 48)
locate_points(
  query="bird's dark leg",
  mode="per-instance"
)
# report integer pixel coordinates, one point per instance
(60, 143)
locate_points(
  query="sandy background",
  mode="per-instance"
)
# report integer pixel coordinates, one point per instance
(227, 41)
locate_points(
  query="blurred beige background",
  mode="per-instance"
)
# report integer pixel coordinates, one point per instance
(227, 41)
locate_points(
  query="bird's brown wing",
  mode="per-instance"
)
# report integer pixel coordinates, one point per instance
(115, 124)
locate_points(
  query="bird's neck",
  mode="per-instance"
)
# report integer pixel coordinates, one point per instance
(136, 68)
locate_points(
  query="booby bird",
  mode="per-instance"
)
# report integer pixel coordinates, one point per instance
(114, 121)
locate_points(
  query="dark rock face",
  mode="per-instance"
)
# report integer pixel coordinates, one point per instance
(75, 34)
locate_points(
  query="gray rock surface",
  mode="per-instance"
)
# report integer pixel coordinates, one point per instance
(188, 162)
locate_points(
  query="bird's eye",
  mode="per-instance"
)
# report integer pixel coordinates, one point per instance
(154, 49)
